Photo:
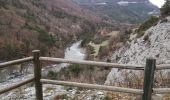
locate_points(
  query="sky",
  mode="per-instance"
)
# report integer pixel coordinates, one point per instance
(159, 3)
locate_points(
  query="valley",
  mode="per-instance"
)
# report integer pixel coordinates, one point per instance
(113, 31)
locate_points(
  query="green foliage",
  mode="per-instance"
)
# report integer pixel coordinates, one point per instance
(10, 51)
(72, 70)
(146, 25)
(75, 69)
(140, 33)
(17, 4)
(107, 98)
(87, 33)
(39, 4)
(61, 97)
(62, 14)
(99, 39)
(103, 51)
(129, 31)
(165, 10)
(59, 13)
(108, 60)
(30, 16)
(52, 74)
(43, 36)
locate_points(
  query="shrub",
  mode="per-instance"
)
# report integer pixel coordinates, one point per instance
(103, 51)
(164, 20)
(108, 60)
(61, 97)
(10, 51)
(39, 4)
(30, 16)
(146, 25)
(107, 98)
(165, 10)
(62, 14)
(17, 4)
(75, 69)
(52, 74)
(45, 37)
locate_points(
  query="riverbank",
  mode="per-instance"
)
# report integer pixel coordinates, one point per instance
(28, 91)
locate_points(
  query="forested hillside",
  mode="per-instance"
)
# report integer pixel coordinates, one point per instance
(48, 25)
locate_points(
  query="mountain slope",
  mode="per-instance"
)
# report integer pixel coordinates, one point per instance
(154, 43)
(132, 11)
(48, 25)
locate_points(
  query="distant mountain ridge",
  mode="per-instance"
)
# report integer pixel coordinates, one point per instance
(125, 11)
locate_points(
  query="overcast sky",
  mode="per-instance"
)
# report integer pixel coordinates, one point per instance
(159, 3)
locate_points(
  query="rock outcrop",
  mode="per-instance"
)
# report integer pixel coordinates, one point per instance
(154, 43)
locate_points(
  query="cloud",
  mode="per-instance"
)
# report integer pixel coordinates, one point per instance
(158, 3)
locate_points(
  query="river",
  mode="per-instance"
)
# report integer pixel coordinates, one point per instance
(72, 52)
(75, 52)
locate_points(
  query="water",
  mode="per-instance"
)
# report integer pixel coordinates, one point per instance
(75, 52)
(72, 52)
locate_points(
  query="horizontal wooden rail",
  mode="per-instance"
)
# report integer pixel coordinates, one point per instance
(111, 65)
(163, 67)
(16, 85)
(93, 86)
(5, 64)
(161, 90)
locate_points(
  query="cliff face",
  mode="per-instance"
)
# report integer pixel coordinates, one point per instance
(154, 43)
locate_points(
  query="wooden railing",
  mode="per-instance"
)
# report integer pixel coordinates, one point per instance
(146, 93)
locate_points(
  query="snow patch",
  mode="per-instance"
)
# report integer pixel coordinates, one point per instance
(125, 3)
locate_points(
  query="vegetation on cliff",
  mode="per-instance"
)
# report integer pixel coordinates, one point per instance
(41, 24)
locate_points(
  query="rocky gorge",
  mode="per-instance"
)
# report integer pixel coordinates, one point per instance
(84, 34)
(155, 43)
(12, 76)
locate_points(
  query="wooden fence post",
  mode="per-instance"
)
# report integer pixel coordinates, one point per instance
(149, 79)
(37, 75)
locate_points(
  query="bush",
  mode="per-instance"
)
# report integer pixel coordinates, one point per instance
(30, 16)
(66, 73)
(52, 74)
(75, 69)
(61, 97)
(17, 4)
(153, 20)
(103, 51)
(147, 24)
(108, 60)
(107, 98)
(165, 10)
(43, 36)
(10, 51)
(62, 14)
